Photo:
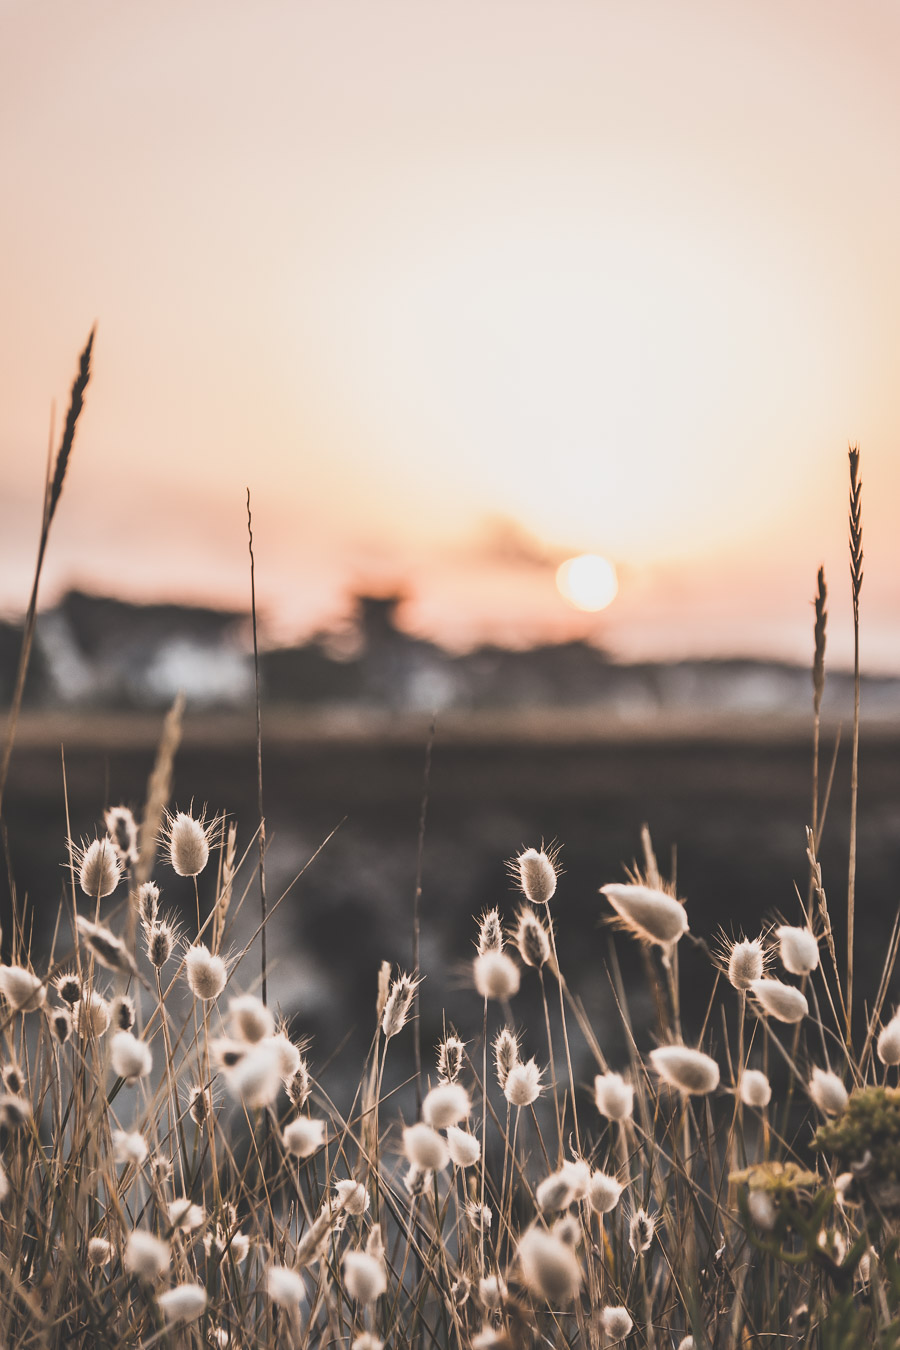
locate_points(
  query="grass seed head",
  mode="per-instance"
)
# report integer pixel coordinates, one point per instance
(465, 1148)
(182, 1303)
(129, 1147)
(536, 873)
(122, 1012)
(479, 1217)
(604, 1192)
(553, 1193)
(249, 1018)
(425, 1148)
(148, 903)
(22, 989)
(188, 844)
(686, 1070)
(616, 1322)
(754, 1088)
(641, 1230)
(303, 1136)
(99, 1251)
(490, 932)
(447, 1104)
(300, 1086)
(798, 950)
(207, 974)
(92, 1014)
(496, 975)
(532, 940)
(828, 1092)
(285, 1286)
(123, 834)
(160, 941)
(649, 915)
(104, 946)
(352, 1197)
(506, 1053)
(889, 1042)
(99, 869)
(365, 1277)
(398, 1005)
(61, 1024)
(492, 1291)
(549, 1268)
(256, 1077)
(614, 1098)
(450, 1058)
(146, 1255)
(746, 962)
(131, 1059)
(12, 1078)
(523, 1083)
(68, 986)
(781, 1001)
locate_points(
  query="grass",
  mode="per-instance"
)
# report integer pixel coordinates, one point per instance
(173, 1174)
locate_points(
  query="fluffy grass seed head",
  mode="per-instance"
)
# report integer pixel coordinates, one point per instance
(616, 1322)
(207, 974)
(688, 1071)
(365, 1277)
(249, 1018)
(888, 1043)
(300, 1086)
(146, 1255)
(506, 1054)
(490, 933)
(185, 1216)
(465, 1148)
(523, 1083)
(417, 1180)
(745, 962)
(129, 1147)
(287, 1054)
(22, 989)
(61, 1024)
(613, 1096)
(398, 1005)
(285, 1287)
(492, 1291)
(496, 975)
(532, 940)
(148, 903)
(68, 986)
(535, 872)
(160, 941)
(641, 1230)
(123, 833)
(352, 1197)
(425, 1148)
(604, 1192)
(754, 1088)
(99, 1251)
(256, 1077)
(828, 1092)
(122, 1012)
(798, 949)
(92, 1014)
(445, 1105)
(649, 915)
(182, 1303)
(450, 1058)
(131, 1059)
(187, 839)
(303, 1136)
(549, 1267)
(779, 1000)
(553, 1193)
(99, 869)
(105, 947)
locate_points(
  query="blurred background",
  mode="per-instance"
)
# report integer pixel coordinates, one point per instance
(538, 334)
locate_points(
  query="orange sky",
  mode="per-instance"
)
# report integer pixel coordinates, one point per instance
(460, 290)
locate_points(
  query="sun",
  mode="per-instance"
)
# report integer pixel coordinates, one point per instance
(588, 581)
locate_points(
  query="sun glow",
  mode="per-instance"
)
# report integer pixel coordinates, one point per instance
(588, 582)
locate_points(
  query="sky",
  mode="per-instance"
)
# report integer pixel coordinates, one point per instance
(459, 291)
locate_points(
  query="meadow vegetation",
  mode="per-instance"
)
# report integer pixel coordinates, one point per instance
(173, 1174)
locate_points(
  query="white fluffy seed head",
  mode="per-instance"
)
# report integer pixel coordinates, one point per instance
(123, 835)
(549, 1267)
(754, 1088)
(616, 1322)
(99, 1251)
(148, 903)
(249, 1018)
(798, 949)
(465, 1148)
(553, 1193)
(492, 1291)
(532, 940)
(146, 1255)
(256, 1077)
(889, 1041)
(131, 1059)
(828, 1092)
(640, 1231)
(446, 1105)
(121, 1011)
(129, 1146)
(303, 1136)
(352, 1197)
(523, 1083)
(365, 1277)
(425, 1148)
(287, 1054)
(604, 1192)
(450, 1059)
(92, 1014)
(186, 1216)
(206, 973)
(397, 1005)
(762, 1210)
(103, 944)
(746, 962)
(781, 1001)
(686, 1070)
(183, 1303)
(536, 876)
(490, 932)
(160, 940)
(99, 870)
(284, 1286)
(649, 915)
(614, 1097)
(22, 989)
(188, 845)
(506, 1053)
(686, 1343)
(496, 975)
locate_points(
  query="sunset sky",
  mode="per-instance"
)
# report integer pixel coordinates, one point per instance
(459, 290)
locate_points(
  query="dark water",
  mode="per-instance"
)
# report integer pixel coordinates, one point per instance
(733, 808)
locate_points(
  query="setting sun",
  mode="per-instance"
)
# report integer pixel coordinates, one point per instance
(588, 582)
